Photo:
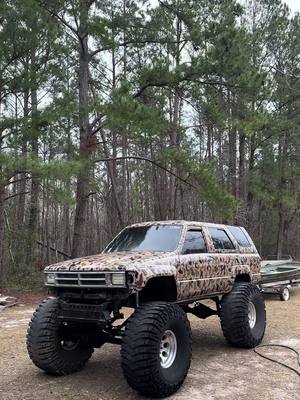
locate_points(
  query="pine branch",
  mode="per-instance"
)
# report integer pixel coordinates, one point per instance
(63, 21)
(126, 43)
(187, 78)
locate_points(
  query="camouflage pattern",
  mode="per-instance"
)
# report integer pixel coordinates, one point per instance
(214, 274)
(196, 275)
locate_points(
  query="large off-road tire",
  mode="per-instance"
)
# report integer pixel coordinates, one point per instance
(156, 349)
(46, 345)
(243, 315)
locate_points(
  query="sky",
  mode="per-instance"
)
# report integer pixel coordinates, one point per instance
(293, 4)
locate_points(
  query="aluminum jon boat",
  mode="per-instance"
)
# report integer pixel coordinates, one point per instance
(279, 276)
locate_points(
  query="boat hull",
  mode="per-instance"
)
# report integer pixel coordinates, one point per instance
(280, 272)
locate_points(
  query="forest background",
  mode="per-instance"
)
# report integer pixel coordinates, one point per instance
(114, 112)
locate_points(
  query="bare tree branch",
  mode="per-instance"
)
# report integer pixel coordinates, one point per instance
(15, 195)
(18, 180)
(150, 161)
(53, 249)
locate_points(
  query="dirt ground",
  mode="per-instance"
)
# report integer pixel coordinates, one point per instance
(217, 371)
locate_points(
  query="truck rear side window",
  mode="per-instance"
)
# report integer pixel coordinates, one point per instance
(240, 236)
(194, 243)
(220, 239)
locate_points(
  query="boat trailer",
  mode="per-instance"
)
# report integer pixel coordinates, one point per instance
(279, 276)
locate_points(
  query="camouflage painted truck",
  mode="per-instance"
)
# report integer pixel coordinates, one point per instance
(162, 271)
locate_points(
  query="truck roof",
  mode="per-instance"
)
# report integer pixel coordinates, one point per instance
(185, 223)
(179, 222)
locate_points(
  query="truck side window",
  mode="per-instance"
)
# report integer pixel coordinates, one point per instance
(239, 236)
(220, 239)
(194, 242)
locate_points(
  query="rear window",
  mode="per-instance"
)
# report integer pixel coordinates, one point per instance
(240, 236)
(220, 239)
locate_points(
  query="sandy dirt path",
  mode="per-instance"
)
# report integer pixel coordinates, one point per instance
(217, 372)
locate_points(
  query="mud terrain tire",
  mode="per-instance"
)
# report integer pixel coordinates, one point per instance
(149, 337)
(243, 315)
(45, 345)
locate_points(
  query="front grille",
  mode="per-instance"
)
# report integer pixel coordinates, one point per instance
(85, 279)
(81, 279)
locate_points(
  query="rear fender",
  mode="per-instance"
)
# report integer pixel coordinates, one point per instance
(242, 273)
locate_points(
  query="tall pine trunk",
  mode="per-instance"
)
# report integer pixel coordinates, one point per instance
(242, 151)
(82, 189)
(2, 227)
(282, 186)
(34, 198)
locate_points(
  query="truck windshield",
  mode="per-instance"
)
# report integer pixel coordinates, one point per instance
(147, 238)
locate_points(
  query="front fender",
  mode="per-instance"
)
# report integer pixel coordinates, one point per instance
(141, 275)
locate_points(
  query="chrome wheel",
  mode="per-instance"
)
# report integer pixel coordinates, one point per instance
(252, 315)
(168, 349)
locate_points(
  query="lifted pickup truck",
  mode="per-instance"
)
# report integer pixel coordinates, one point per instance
(162, 270)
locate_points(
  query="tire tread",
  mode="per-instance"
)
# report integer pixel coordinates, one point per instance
(233, 315)
(139, 348)
(41, 345)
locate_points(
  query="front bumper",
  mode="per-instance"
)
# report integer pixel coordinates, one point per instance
(78, 312)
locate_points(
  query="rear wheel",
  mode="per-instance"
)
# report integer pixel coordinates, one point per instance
(49, 344)
(243, 315)
(285, 294)
(156, 349)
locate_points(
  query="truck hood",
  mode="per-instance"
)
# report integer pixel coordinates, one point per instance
(116, 261)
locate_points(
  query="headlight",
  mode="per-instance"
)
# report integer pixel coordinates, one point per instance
(118, 279)
(50, 279)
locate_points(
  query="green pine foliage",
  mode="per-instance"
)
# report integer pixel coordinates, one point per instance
(208, 91)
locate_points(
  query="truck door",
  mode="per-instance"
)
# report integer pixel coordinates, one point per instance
(226, 258)
(195, 264)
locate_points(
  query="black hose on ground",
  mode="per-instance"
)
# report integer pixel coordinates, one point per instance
(276, 361)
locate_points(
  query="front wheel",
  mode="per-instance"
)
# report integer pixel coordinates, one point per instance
(156, 349)
(243, 315)
(49, 345)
